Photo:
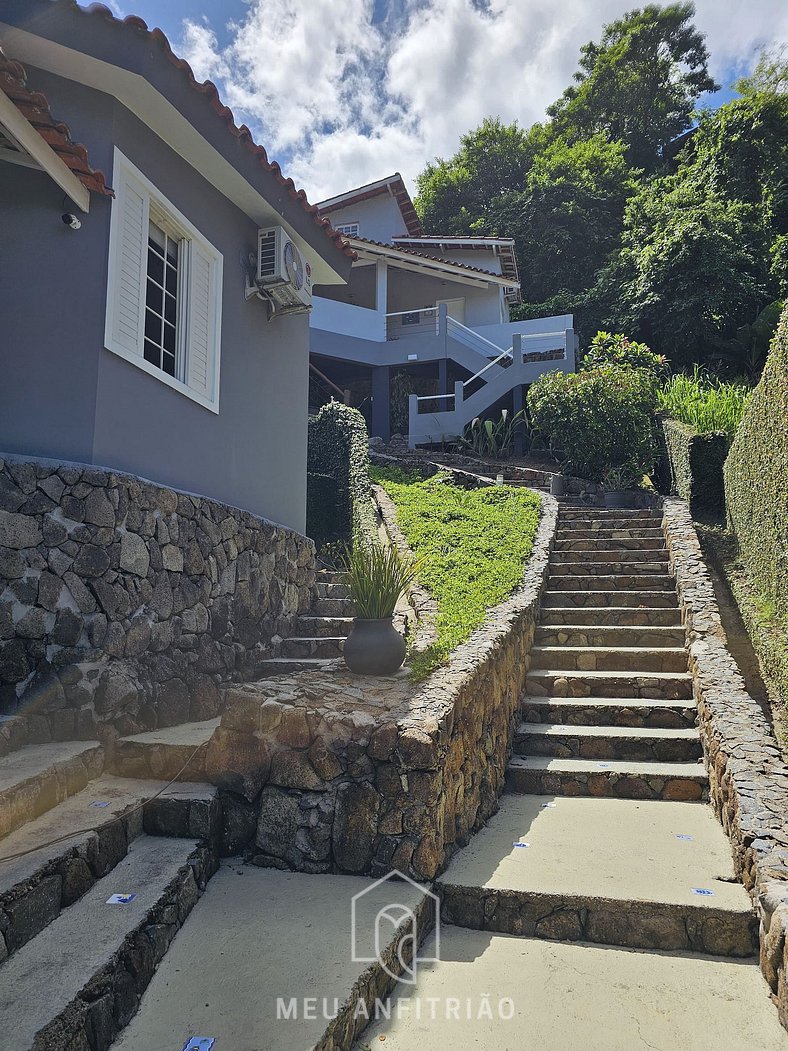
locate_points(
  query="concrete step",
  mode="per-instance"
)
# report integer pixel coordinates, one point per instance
(650, 636)
(324, 646)
(607, 742)
(603, 870)
(686, 782)
(322, 627)
(607, 555)
(615, 582)
(291, 665)
(332, 590)
(277, 935)
(79, 981)
(601, 534)
(585, 568)
(557, 682)
(664, 598)
(609, 658)
(49, 863)
(599, 514)
(610, 711)
(630, 544)
(333, 607)
(612, 616)
(38, 777)
(161, 754)
(566, 996)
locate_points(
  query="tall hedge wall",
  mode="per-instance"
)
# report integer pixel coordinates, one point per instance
(693, 468)
(756, 477)
(338, 493)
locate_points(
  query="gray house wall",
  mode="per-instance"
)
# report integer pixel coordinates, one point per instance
(379, 218)
(65, 396)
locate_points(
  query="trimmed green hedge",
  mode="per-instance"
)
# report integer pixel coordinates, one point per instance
(692, 468)
(339, 499)
(756, 478)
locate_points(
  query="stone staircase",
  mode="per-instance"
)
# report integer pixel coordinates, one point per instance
(319, 635)
(603, 838)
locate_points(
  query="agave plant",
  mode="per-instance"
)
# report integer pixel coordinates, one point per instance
(493, 437)
(376, 577)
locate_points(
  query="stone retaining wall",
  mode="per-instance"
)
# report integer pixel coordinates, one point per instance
(748, 777)
(125, 603)
(345, 773)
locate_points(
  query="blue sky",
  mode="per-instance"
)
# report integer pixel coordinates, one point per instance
(342, 92)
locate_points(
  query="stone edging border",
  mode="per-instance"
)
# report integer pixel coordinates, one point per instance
(748, 777)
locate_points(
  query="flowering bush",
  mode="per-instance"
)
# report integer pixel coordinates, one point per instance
(598, 422)
(623, 353)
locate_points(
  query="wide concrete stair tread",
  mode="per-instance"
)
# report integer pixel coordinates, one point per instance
(583, 532)
(611, 711)
(165, 753)
(607, 742)
(562, 568)
(611, 616)
(290, 665)
(257, 935)
(599, 550)
(612, 582)
(36, 778)
(621, 767)
(571, 996)
(561, 730)
(616, 598)
(50, 862)
(42, 982)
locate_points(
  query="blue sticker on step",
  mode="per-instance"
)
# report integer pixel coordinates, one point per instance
(120, 899)
(603, 766)
(99, 803)
(521, 844)
(704, 893)
(199, 1043)
(688, 839)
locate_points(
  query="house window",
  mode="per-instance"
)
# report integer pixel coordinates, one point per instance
(163, 290)
(348, 229)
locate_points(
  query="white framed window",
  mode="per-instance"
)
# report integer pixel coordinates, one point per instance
(164, 289)
(348, 229)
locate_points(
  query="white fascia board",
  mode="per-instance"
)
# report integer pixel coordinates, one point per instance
(25, 135)
(407, 261)
(158, 113)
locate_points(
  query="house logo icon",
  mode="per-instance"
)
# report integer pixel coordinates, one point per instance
(396, 937)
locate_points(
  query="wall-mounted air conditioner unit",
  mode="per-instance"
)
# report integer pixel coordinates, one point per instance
(282, 273)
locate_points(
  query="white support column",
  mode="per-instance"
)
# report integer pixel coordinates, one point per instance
(381, 294)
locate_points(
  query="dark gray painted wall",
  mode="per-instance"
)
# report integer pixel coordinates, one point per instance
(66, 396)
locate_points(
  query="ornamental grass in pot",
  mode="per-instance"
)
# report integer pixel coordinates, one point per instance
(376, 577)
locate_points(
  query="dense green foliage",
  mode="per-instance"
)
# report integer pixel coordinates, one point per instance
(494, 438)
(704, 403)
(376, 576)
(623, 353)
(598, 423)
(626, 215)
(756, 470)
(692, 468)
(472, 546)
(337, 449)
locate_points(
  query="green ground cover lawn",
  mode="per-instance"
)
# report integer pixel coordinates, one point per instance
(472, 545)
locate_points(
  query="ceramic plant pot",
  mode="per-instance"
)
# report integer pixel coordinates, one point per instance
(557, 485)
(374, 647)
(618, 498)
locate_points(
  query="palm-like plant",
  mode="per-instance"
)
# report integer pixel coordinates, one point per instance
(376, 577)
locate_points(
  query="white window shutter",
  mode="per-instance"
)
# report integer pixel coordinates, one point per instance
(126, 292)
(202, 336)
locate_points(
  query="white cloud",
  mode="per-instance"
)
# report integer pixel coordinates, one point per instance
(341, 98)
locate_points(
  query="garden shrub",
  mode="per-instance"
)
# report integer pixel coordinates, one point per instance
(756, 478)
(338, 450)
(623, 353)
(692, 468)
(598, 422)
(704, 403)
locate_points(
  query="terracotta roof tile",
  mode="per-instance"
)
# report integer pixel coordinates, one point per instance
(34, 107)
(211, 94)
(361, 241)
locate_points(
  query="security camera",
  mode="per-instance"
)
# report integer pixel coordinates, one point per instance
(71, 220)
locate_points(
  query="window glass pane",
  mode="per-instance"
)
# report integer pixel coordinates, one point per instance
(169, 337)
(168, 363)
(172, 280)
(153, 297)
(172, 251)
(156, 236)
(170, 309)
(152, 353)
(155, 266)
(152, 326)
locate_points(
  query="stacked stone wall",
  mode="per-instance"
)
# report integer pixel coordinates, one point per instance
(748, 776)
(126, 604)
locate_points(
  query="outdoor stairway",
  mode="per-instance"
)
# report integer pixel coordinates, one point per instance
(73, 965)
(601, 898)
(319, 635)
